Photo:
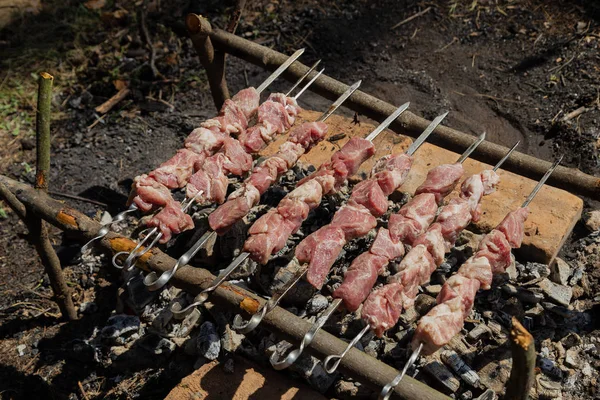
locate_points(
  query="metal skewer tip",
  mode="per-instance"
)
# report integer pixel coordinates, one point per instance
(539, 185)
(299, 81)
(506, 156)
(308, 84)
(279, 70)
(387, 121)
(471, 148)
(389, 388)
(423, 136)
(306, 340)
(332, 362)
(339, 101)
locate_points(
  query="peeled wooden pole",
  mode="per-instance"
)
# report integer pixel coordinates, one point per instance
(569, 179)
(356, 364)
(38, 231)
(522, 374)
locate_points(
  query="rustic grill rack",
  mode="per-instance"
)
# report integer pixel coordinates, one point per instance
(193, 280)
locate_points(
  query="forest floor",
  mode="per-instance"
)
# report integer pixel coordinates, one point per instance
(517, 69)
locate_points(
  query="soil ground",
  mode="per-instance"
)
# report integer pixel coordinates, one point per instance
(516, 69)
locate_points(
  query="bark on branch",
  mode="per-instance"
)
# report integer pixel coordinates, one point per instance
(356, 364)
(522, 374)
(38, 231)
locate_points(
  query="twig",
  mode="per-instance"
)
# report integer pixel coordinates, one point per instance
(559, 68)
(454, 40)
(83, 393)
(574, 114)
(417, 15)
(145, 34)
(37, 227)
(78, 198)
(113, 101)
(235, 16)
(522, 374)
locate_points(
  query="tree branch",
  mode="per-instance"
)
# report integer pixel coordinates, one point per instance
(522, 374)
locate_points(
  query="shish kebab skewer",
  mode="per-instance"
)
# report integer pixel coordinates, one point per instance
(263, 243)
(121, 216)
(293, 356)
(386, 247)
(300, 141)
(458, 293)
(159, 220)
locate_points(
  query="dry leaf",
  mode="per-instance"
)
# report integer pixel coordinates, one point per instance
(119, 84)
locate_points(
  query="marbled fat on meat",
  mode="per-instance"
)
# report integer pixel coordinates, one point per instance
(211, 180)
(433, 240)
(147, 194)
(354, 220)
(382, 308)
(175, 172)
(441, 180)
(415, 270)
(368, 193)
(308, 134)
(453, 218)
(248, 99)
(496, 249)
(320, 250)
(391, 171)
(384, 246)
(513, 226)
(439, 326)
(171, 220)
(413, 218)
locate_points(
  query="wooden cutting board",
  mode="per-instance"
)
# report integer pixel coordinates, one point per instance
(553, 215)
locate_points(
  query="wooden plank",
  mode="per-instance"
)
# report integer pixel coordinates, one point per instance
(554, 212)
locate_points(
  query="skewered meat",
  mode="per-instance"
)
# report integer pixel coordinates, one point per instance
(441, 180)
(171, 220)
(211, 180)
(265, 174)
(490, 180)
(456, 298)
(354, 219)
(413, 218)
(453, 218)
(175, 172)
(415, 269)
(205, 141)
(148, 193)
(513, 226)
(433, 240)
(231, 119)
(382, 308)
(362, 273)
(248, 100)
(308, 194)
(475, 187)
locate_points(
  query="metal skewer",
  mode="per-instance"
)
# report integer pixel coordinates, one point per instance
(389, 388)
(121, 216)
(135, 254)
(245, 326)
(308, 337)
(332, 362)
(514, 146)
(153, 282)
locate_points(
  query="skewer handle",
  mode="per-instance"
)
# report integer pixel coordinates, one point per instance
(115, 260)
(106, 227)
(203, 296)
(337, 358)
(306, 341)
(389, 388)
(241, 326)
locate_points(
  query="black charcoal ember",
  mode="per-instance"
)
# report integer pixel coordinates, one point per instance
(557, 293)
(479, 331)
(558, 310)
(157, 345)
(88, 307)
(424, 303)
(561, 271)
(138, 295)
(208, 342)
(453, 360)
(121, 329)
(534, 270)
(442, 375)
(317, 304)
(525, 295)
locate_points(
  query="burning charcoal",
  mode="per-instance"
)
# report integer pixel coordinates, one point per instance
(558, 310)
(494, 374)
(535, 311)
(547, 389)
(526, 296)
(424, 303)
(138, 296)
(453, 360)
(558, 293)
(572, 339)
(228, 366)
(442, 375)
(592, 221)
(317, 304)
(478, 331)
(561, 271)
(573, 358)
(433, 290)
(157, 345)
(487, 395)
(189, 322)
(231, 340)
(577, 275)
(88, 307)
(121, 329)
(549, 367)
(372, 348)
(208, 342)
(83, 351)
(409, 316)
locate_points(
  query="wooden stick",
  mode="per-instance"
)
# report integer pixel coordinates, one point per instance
(236, 14)
(38, 231)
(113, 101)
(13, 202)
(214, 64)
(356, 364)
(408, 123)
(522, 374)
(417, 15)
